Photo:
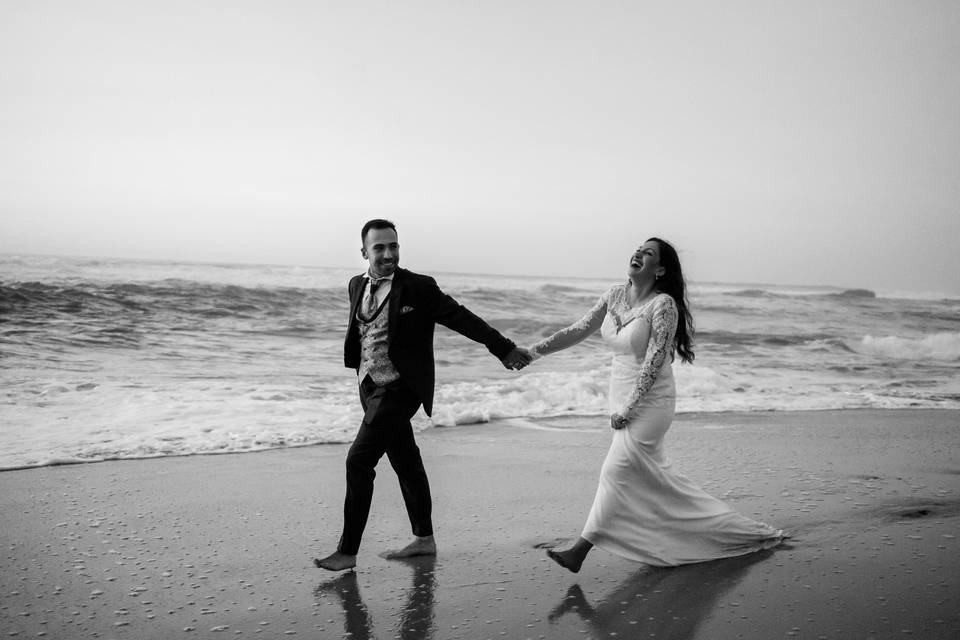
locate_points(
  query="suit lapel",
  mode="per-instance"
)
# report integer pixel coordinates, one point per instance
(393, 304)
(355, 297)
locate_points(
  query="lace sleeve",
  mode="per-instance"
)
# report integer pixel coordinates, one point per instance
(663, 328)
(576, 332)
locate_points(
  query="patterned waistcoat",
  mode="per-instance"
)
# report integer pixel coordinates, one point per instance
(374, 360)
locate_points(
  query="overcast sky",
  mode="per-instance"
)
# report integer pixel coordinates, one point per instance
(804, 142)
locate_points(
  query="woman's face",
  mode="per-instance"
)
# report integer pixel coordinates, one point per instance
(645, 261)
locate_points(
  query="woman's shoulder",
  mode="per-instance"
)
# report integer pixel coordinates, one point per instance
(616, 292)
(664, 300)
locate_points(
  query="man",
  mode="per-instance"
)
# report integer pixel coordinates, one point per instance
(390, 344)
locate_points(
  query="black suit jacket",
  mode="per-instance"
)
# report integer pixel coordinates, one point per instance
(416, 304)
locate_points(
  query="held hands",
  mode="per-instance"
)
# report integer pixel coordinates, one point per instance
(517, 359)
(618, 421)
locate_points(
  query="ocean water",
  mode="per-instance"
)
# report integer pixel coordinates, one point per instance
(107, 359)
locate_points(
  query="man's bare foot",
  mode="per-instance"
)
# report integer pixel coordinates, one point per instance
(421, 546)
(336, 561)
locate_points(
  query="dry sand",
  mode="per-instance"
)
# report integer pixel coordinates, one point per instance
(221, 546)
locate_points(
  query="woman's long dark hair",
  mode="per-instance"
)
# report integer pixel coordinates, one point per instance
(673, 284)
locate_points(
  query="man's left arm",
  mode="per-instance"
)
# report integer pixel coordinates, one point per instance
(447, 311)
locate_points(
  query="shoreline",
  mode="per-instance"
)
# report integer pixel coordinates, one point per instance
(204, 546)
(595, 423)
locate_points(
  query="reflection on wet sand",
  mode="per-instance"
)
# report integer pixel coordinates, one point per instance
(659, 602)
(356, 622)
(416, 617)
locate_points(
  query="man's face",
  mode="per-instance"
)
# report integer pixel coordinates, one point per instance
(382, 250)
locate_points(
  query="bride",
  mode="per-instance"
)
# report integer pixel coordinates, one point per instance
(644, 510)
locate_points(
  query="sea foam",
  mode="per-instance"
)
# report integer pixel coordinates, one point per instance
(939, 346)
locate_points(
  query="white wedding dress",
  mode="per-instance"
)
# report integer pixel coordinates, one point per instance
(644, 510)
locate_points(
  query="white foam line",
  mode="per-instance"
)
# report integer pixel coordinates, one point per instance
(529, 424)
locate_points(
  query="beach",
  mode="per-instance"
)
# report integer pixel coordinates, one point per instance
(222, 545)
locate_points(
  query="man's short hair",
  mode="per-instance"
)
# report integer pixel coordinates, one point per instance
(376, 223)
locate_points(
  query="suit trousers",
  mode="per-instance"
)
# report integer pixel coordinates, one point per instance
(386, 429)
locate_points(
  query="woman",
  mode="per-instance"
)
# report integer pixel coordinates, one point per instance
(643, 510)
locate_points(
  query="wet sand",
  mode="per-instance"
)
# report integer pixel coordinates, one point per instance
(222, 546)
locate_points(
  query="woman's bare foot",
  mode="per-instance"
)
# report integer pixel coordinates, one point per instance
(566, 559)
(421, 546)
(572, 558)
(336, 561)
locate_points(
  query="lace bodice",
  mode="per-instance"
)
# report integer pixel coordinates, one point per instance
(648, 344)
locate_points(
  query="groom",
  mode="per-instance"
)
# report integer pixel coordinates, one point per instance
(390, 344)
